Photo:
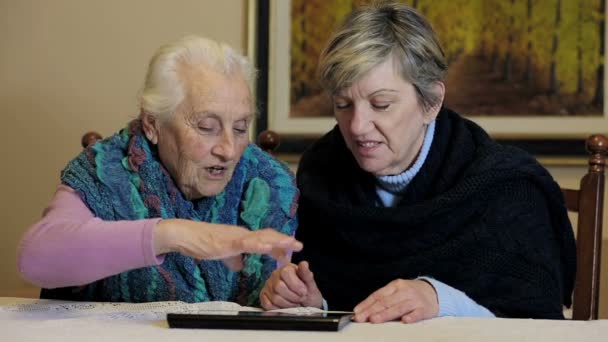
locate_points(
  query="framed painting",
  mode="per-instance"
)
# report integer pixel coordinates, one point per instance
(530, 72)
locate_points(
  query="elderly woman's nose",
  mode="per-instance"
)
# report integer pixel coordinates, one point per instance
(226, 147)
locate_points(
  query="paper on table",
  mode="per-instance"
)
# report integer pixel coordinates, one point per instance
(45, 310)
(307, 311)
(114, 311)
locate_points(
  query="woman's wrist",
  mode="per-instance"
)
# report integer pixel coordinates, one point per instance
(163, 237)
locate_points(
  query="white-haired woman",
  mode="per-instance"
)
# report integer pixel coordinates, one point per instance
(176, 206)
(409, 211)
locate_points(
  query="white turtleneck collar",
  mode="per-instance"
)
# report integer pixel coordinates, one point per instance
(389, 187)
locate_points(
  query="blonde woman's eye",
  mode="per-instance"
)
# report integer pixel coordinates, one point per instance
(340, 105)
(381, 106)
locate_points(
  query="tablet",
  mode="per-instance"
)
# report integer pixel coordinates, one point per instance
(261, 320)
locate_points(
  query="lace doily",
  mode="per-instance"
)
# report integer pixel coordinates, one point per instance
(45, 310)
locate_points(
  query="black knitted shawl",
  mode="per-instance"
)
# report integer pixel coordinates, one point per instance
(484, 218)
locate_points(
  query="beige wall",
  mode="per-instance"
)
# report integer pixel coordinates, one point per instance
(69, 66)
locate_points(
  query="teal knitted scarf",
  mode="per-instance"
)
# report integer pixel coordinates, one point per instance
(121, 178)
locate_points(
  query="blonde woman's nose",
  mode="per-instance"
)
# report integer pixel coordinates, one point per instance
(359, 121)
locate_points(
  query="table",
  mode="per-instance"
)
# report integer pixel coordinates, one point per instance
(24, 319)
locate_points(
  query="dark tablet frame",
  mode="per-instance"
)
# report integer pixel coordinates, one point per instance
(255, 320)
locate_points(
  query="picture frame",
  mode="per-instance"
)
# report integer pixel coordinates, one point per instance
(269, 37)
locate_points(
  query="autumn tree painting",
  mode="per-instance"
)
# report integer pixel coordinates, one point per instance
(506, 57)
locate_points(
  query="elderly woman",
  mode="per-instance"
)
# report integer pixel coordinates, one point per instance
(409, 211)
(166, 208)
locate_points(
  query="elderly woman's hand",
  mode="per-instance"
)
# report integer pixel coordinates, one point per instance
(291, 286)
(203, 240)
(407, 300)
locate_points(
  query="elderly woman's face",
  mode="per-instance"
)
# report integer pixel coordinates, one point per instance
(381, 120)
(204, 139)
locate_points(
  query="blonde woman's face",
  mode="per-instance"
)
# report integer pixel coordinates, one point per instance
(207, 135)
(381, 120)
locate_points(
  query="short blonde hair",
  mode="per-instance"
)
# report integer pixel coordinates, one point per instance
(163, 89)
(371, 35)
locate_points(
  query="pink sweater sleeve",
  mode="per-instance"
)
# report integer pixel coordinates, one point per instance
(72, 247)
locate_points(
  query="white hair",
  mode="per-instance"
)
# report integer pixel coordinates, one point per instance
(163, 89)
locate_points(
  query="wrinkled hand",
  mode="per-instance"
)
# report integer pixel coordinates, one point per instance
(291, 286)
(208, 241)
(408, 300)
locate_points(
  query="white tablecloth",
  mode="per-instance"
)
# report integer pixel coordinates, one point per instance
(47, 321)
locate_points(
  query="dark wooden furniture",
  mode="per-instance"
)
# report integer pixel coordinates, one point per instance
(588, 202)
(267, 140)
(89, 138)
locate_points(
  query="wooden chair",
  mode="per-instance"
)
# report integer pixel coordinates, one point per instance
(89, 138)
(588, 202)
(267, 140)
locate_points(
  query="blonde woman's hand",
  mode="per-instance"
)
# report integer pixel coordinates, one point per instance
(209, 241)
(291, 286)
(407, 300)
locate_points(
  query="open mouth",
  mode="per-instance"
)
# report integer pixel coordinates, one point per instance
(366, 148)
(368, 144)
(216, 170)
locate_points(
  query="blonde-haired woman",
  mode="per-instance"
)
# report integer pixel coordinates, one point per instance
(409, 211)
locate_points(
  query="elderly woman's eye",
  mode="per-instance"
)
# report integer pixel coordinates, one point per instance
(208, 125)
(241, 127)
(208, 129)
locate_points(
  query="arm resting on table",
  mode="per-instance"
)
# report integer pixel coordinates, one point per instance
(453, 302)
